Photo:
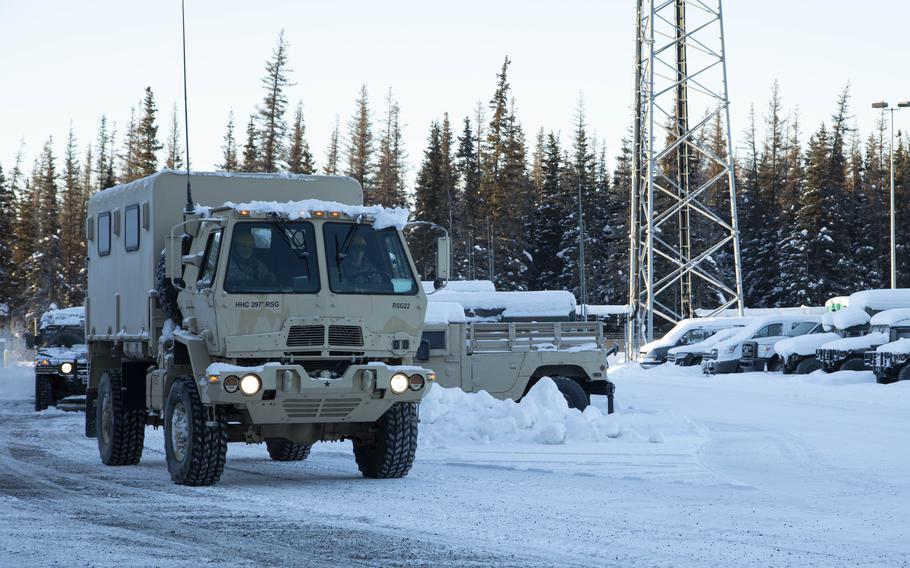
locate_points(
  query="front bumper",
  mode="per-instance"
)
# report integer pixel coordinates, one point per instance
(754, 364)
(885, 364)
(715, 367)
(289, 395)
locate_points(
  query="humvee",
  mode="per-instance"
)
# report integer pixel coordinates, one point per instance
(61, 366)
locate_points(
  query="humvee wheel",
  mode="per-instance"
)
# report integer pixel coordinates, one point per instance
(807, 366)
(121, 432)
(853, 364)
(391, 452)
(44, 392)
(195, 442)
(904, 375)
(575, 396)
(284, 450)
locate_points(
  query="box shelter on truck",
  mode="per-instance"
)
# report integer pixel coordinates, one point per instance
(281, 310)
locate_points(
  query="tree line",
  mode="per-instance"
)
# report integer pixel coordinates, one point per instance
(813, 213)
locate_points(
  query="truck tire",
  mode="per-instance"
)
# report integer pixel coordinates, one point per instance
(573, 393)
(391, 453)
(44, 392)
(121, 432)
(807, 366)
(195, 441)
(167, 294)
(775, 365)
(904, 375)
(284, 450)
(853, 364)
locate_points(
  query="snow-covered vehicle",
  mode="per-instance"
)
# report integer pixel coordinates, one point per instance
(725, 356)
(507, 358)
(889, 360)
(266, 319)
(690, 355)
(61, 366)
(849, 353)
(686, 332)
(798, 353)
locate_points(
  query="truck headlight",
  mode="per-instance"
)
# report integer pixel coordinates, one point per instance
(250, 384)
(231, 383)
(399, 383)
(66, 368)
(416, 382)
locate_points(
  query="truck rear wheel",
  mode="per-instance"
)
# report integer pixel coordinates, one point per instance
(121, 432)
(807, 366)
(284, 450)
(573, 393)
(391, 452)
(854, 364)
(44, 392)
(904, 375)
(195, 439)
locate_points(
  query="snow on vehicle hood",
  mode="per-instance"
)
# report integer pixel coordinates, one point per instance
(444, 313)
(707, 344)
(853, 343)
(880, 300)
(902, 345)
(899, 317)
(671, 337)
(64, 316)
(803, 344)
(396, 217)
(546, 303)
(73, 353)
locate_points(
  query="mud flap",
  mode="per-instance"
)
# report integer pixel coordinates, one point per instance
(91, 395)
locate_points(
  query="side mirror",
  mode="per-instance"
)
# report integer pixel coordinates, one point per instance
(173, 254)
(29, 341)
(613, 350)
(423, 352)
(443, 262)
(194, 259)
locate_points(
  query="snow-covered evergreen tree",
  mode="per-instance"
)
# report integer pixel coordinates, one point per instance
(300, 159)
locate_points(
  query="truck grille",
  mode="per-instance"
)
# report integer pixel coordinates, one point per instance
(306, 336)
(320, 407)
(346, 335)
(82, 371)
(748, 350)
(869, 358)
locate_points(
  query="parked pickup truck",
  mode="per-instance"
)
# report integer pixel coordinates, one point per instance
(690, 355)
(726, 356)
(686, 332)
(507, 358)
(798, 353)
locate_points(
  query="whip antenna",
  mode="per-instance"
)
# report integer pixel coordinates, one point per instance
(186, 113)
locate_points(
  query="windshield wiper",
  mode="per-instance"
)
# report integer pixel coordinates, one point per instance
(348, 239)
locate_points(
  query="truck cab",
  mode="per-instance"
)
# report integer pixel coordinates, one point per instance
(889, 360)
(61, 365)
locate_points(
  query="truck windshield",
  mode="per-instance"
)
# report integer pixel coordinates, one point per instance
(365, 261)
(61, 336)
(272, 258)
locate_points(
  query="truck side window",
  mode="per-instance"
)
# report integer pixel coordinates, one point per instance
(131, 228)
(210, 261)
(770, 330)
(104, 234)
(437, 339)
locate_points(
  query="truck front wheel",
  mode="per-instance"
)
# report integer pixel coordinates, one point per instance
(904, 375)
(284, 450)
(44, 392)
(121, 432)
(854, 364)
(195, 438)
(807, 366)
(390, 453)
(573, 393)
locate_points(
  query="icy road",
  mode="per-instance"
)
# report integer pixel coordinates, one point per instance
(744, 470)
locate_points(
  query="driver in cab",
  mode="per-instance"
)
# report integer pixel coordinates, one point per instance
(245, 271)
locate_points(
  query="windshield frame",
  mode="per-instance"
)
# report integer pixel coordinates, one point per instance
(334, 258)
(312, 259)
(56, 330)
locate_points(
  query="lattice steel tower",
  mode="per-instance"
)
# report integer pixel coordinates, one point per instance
(684, 251)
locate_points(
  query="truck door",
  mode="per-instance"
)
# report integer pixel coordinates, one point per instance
(203, 288)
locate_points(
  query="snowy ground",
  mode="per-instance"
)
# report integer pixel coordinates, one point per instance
(739, 470)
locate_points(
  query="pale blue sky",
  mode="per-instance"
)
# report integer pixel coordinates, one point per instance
(65, 61)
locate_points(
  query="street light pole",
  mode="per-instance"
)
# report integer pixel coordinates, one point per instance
(884, 106)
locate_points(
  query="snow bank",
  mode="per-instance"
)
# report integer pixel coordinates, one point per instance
(444, 313)
(803, 344)
(880, 300)
(547, 303)
(902, 345)
(892, 318)
(384, 217)
(463, 286)
(840, 378)
(849, 317)
(451, 416)
(861, 342)
(65, 316)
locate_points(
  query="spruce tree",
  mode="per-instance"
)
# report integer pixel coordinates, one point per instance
(251, 162)
(467, 166)
(147, 144)
(548, 217)
(331, 154)
(229, 161)
(44, 280)
(104, 167)
(8, 287)
(173, 152)
(389, 187)
(360, 146)
(300, 159)
(429, 201)
(272, 126)
(129, 159)
(72, 241)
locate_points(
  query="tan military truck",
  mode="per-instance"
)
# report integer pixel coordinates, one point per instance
(287, 320)
(506, 358)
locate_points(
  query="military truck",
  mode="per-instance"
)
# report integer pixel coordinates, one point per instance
(286, 320)
(799, 353)
(889, 360)
(61, 364)
(507, 358)
(849, 353)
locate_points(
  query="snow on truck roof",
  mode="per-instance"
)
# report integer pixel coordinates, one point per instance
(444, 313)
(64, 316)
(383, 217)
(902, 345)
(546, 303)
(803, 344)
(880, 300)
(899, 317)
(845, 318)
(463, 286)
